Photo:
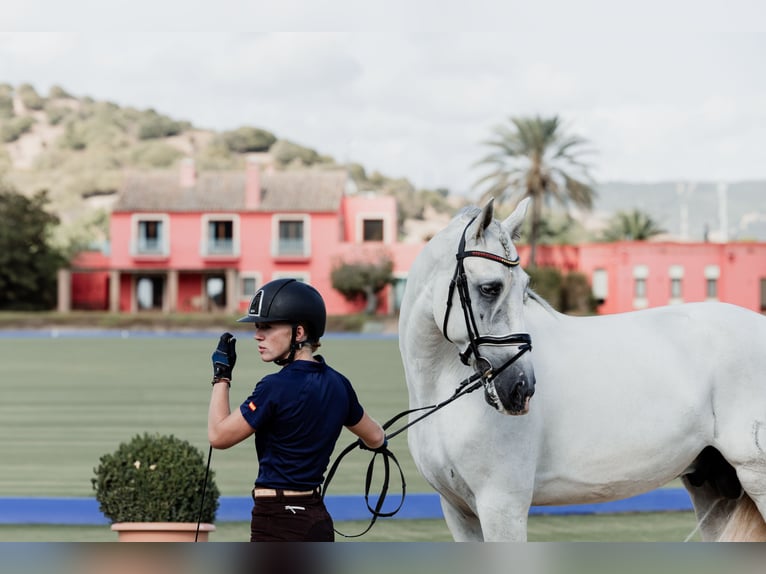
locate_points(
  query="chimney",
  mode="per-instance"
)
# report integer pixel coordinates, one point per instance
(252, 184)
(188, 175)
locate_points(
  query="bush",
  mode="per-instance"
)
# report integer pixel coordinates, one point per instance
(546, 282)
(155, 154)
(30, 98)
(286, 152)
(155, 478)
(6, 101)
(570, 293)
(14, 128)
(58, 93)
(153, 126)
(248, 139)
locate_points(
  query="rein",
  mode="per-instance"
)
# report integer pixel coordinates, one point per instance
(485, 371)
(466, 386)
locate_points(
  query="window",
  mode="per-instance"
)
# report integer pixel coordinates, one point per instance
(600, 285)
(711, 289)
(675, 288)
(712, 273)
(372, 230)
(150, 235)
(676, 274)
(291, 237)
(220, 236)
(640, 292)
(373, 226)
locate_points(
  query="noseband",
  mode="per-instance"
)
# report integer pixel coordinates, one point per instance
(459, 281)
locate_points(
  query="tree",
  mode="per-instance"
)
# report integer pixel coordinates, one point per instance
(533, 157)
(632, 225)
(28, 260)
(363, 279)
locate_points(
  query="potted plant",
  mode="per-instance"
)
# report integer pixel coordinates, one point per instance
(151, 488)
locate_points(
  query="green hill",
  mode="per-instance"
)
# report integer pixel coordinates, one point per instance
(79, 150)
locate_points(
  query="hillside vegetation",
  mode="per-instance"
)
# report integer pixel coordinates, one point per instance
(79, 149)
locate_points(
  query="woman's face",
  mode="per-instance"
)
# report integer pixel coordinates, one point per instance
(273, 340)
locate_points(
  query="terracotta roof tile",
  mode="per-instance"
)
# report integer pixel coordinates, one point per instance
(281, 191)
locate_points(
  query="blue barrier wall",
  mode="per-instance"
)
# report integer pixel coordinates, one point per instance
(15, 510)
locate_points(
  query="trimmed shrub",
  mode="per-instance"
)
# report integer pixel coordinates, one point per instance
(155, 478)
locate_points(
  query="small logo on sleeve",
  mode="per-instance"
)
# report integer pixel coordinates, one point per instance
(251, 406)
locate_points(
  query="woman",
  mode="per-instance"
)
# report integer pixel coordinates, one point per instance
(296, 414)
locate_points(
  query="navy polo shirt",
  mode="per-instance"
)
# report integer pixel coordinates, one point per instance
(298, 414)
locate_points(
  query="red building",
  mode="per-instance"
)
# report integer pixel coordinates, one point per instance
(631, 275)
(203, 242)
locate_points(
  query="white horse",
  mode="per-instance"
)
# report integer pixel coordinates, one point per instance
(622, 404)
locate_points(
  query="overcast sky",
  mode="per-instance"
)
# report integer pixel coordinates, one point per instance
(662, 89)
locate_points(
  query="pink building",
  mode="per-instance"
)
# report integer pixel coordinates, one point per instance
(204, 242)
(631, 275)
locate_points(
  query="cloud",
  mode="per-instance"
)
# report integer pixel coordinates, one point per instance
(661, 90)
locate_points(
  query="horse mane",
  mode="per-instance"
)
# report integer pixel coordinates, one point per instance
(468, 211)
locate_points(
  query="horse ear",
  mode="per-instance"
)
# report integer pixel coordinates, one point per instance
(513, 222)
(486, 217)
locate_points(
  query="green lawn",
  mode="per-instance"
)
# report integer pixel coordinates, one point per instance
(67, 401)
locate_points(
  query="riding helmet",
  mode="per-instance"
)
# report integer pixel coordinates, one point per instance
(290, 301)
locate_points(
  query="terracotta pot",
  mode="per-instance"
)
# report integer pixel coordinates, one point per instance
(161, 531)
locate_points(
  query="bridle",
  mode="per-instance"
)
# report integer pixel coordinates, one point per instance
(483, 365)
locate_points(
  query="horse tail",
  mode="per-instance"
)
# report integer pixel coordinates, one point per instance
(745, 523)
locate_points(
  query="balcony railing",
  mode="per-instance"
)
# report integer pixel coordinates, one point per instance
(291, 248)
(150, 246)
(220, 247)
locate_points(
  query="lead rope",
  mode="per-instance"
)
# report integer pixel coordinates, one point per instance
(204, 489)
(466, 386)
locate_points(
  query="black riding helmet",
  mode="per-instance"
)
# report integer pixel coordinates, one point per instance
(289, 301)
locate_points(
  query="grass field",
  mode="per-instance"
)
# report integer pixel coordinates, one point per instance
(67, 401)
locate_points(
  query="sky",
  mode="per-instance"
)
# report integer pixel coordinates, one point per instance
(661, 89)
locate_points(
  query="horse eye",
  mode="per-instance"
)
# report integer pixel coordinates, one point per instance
(491, 289)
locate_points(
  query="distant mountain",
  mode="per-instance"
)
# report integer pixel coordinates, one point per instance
(689, 210)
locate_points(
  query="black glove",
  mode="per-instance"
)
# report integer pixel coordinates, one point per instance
(224, 357)
(381, 448)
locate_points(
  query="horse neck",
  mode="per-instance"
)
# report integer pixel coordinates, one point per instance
(432, 362)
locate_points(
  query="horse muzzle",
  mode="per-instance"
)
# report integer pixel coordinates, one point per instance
(511, 391)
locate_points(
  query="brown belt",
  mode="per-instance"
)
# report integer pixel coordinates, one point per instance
(274, 492)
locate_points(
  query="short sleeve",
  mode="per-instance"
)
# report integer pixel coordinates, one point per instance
(257, 407)
(355, 409)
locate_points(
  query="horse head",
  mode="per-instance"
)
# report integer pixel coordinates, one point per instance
(483, 315)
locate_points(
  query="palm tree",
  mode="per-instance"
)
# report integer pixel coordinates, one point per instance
(533, 157)
(632, 225)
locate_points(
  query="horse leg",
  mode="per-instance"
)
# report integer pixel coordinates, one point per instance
(503, 519)
(462, 523)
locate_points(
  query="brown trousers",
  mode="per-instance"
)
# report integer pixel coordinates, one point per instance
(291, 519)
